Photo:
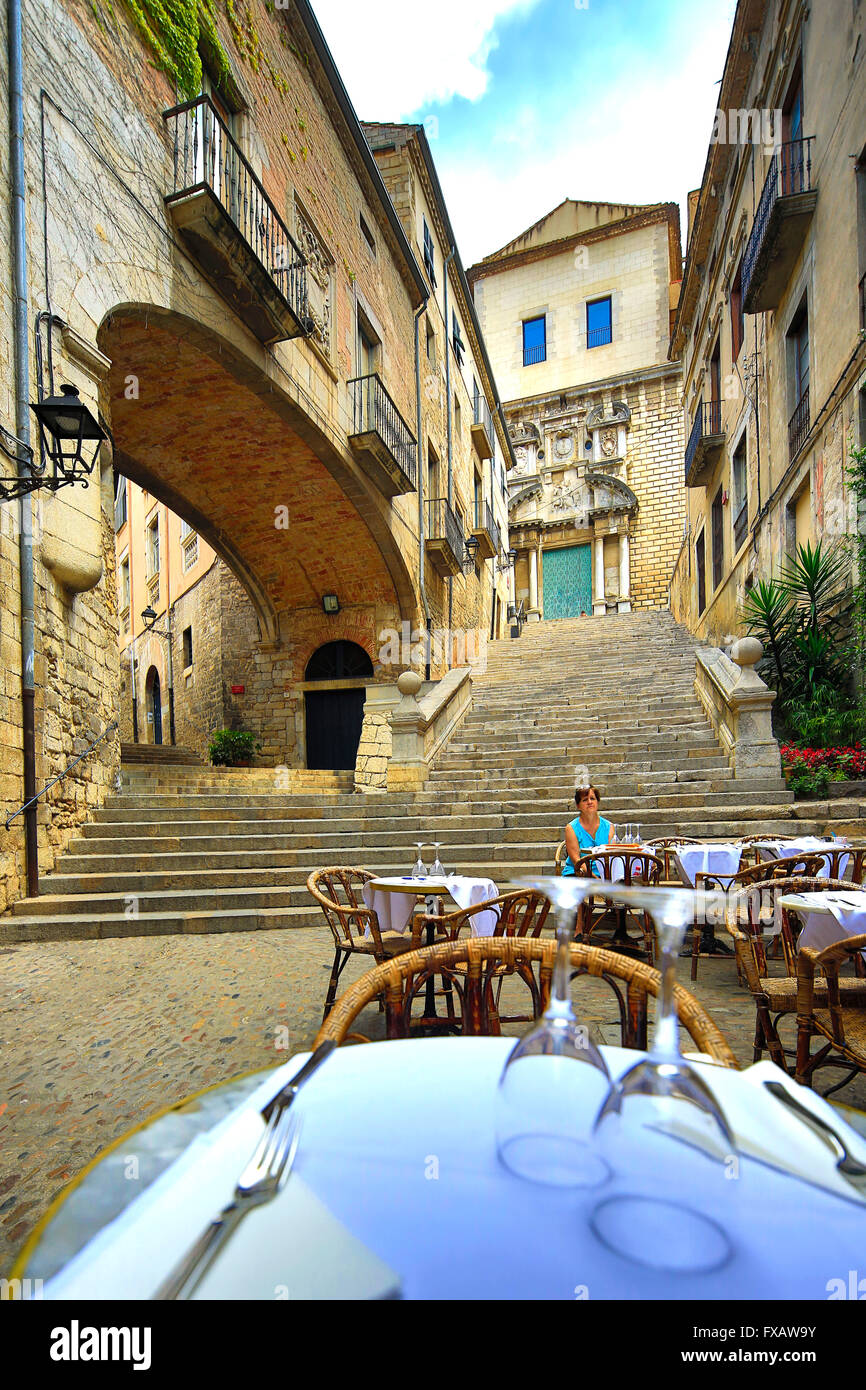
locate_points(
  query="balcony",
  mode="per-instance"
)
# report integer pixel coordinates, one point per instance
(706, 442)
(445, 544)
(482, 428)
(787, 203)
(532, 355)
(381, 440)
(485, 531)
(599, 337)
(798, 426)
(231, 227)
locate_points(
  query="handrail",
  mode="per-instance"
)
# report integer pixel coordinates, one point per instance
(109, 728)
(374, 409)
(790, 173)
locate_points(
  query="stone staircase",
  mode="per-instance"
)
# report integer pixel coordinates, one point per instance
(194, 849)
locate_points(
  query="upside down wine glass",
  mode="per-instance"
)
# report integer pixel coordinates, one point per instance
(555, 1078)
(663, 1130)
(419, 868)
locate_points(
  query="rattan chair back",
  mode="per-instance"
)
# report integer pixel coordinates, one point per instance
(480, 960)
(843, 1028)
(338, 891)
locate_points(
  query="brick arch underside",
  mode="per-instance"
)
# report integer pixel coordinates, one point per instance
(208, 436)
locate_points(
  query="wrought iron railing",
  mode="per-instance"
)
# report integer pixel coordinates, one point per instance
(708, 420)
(373, 410)
(442, 523)
(598, 337)
(109, 728)
(798, 425)
(517, 616)
(481, 415)
(531, 355)
(484, 521)
(207, 157)
(790, 172)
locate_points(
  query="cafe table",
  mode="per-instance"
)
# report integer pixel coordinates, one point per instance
(808, 844)
(397, 1190)
(827, 917)
(721, 859)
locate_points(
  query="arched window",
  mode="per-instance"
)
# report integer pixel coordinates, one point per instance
(338, 661)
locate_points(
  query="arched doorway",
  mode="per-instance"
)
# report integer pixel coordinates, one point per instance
(153, 701)
(334, 717)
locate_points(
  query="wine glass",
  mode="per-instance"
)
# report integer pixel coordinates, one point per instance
(662, 1125)
(419, 869)
(437, 868)
(555, 1077)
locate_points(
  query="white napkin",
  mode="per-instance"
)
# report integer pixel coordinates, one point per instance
(466, 892)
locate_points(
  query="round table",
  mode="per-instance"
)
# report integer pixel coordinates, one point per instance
(422, 888)
(398, 1142)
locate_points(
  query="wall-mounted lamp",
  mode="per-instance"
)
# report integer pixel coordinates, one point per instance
(71, 437)
(330, 603)
(471, 551)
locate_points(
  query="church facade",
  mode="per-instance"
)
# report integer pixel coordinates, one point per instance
(576, 314)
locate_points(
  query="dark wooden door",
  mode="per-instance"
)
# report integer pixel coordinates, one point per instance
(334, 719)
(156, 703)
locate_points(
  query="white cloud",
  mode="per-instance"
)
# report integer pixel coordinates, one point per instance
(396, 57)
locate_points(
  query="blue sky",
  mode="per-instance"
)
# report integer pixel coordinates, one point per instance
(527, 102)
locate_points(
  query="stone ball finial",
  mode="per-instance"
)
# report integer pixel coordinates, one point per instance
(409, 683)
(747, 651)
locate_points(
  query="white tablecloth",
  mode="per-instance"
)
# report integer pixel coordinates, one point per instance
(398, 1141)
(827, 917)
(394, 909)
(720, 859)
(784, 849)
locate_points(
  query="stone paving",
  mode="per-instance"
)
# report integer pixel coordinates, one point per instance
(95, 1036)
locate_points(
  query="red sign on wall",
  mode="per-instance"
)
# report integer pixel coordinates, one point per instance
(238, 689)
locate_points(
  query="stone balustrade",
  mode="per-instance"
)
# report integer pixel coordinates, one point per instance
(739, 705)
(401, 735)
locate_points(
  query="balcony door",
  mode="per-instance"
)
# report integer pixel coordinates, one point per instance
(792, 171)
(714, 425)
(215, 157)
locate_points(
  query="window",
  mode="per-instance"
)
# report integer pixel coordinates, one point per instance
(458, 417)
(459, 345)
(432, 472)
(740, 494)
(185, 529)
(153, 547)
(534, 341)
(190, 551)
(478, 500)
(718, 520)
(429, 255)
(368, 347)
(123, 595)
(598, 323)
(714, 422)
(119, 502)
(798, 377)
(431, 344)
(368, 235)
(187, 647)
(738, 329)
(701, 561)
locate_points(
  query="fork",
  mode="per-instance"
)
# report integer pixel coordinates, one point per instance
(849, 1166)
(259, 1182)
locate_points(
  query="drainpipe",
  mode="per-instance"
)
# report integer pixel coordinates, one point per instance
(447, 262)
(134, 693)
(22, 427)
(420, 468)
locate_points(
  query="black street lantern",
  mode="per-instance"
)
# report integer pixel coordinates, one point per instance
(471, 552)
(69, 433)
(148, 615)
(512, 556)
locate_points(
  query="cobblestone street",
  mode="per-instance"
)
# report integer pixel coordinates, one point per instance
(95, 1036)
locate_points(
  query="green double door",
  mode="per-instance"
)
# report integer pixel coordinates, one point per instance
(567, 576)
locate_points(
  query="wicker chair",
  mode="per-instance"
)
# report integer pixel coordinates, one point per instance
(522, 913)
(403, 980)
(338, 891)
(559, 858)
(748, 912)
(842, 1022)
(638, 867)
(798, 865)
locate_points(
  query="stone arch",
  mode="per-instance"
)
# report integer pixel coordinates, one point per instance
(216, 433)
(338, 660)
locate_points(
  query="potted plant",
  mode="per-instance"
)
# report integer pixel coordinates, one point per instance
(233, 748)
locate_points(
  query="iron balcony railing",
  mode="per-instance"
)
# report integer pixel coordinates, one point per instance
(708, 421)
(790, 172)
(598, 337)
(208, 158)
(442, 523)
(481, 415)
(531, 355)
(374, 411)
(798, 426)
(484, 522)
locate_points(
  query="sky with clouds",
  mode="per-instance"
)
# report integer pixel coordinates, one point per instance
(527, 102)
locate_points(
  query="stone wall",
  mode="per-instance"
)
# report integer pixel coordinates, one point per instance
(655, 474)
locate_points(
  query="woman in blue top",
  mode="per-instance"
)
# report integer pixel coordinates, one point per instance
(587, 831)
